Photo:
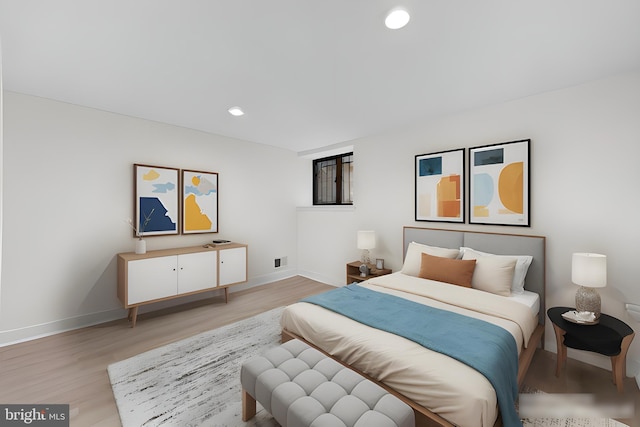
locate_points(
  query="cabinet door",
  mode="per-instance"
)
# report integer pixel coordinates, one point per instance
(197, 271)
(152, 278)
(233, 266)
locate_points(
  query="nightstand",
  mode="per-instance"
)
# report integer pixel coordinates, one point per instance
(353, 272)
(610, 337)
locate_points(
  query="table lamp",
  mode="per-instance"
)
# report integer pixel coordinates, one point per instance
(589, 271)
(366, 241)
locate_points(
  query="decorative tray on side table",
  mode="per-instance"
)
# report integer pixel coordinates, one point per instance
(575, 317)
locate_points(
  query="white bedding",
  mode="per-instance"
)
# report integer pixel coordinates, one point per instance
(530, 299)
(443, 385)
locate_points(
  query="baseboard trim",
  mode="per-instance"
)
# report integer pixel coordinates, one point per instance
(263, 280)
(320, 278)
(29, 333)
(32, 332)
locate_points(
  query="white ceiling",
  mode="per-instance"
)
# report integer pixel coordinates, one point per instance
(308, 73)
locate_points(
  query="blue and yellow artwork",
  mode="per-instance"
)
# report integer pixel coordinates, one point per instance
(200, 202)
(156, 200)
(500, 184)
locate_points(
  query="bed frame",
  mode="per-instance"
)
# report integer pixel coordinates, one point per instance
(496, 243)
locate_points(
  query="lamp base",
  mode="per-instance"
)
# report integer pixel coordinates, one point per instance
(365, 257)
(588, 299)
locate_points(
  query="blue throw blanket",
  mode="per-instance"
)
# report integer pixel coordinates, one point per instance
(487, 348)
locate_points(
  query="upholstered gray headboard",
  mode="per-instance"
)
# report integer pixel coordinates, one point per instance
(499, 244)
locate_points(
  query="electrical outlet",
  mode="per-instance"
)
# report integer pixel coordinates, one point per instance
(283, 261)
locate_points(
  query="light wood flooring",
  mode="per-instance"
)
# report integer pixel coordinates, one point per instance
(71, 367)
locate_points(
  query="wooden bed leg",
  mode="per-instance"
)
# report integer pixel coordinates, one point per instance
(248, 406)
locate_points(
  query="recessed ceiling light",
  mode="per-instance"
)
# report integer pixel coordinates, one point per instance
(397, 18)
(236, 111)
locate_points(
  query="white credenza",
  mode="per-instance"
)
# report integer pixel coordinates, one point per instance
(171, 273)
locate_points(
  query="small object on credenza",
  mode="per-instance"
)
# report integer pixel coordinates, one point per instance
(221, 242)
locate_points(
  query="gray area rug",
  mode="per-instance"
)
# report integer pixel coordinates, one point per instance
(196, 381)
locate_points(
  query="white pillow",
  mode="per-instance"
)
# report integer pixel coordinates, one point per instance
(413, 258)
(492, 273)
(522, 265)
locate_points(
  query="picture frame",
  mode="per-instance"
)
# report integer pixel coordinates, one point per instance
(156, 205)
(439, 186)
(379, 263)
(199, 196)
(499, 185)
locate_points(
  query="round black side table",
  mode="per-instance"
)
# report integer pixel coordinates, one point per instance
(610, 337)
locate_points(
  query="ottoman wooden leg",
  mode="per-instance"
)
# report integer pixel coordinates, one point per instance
(248, 406)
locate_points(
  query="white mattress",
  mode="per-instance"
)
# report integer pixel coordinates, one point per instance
(530, 299)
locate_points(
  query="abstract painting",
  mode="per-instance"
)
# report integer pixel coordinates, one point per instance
(199, 202)
(156, 200)
(440, 186)
(499, 184)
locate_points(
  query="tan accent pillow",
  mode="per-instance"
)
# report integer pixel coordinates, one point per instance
(455, 271)
(412, 260)
(493, 274)
(522, 265)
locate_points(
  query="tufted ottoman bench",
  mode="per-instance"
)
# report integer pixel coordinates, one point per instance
(302, 387)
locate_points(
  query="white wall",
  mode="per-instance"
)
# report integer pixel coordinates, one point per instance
(584, 196)
(68, 186)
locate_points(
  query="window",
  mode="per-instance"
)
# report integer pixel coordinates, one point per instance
(333, 180)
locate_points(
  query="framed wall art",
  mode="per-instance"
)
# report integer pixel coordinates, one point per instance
(439, 186)
(199, 202)
(499, 184)
(156, 191)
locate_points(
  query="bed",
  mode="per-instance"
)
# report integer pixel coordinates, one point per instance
(443, 390)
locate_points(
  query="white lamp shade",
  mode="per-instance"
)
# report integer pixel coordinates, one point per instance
(366, 239)
(589, 270)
